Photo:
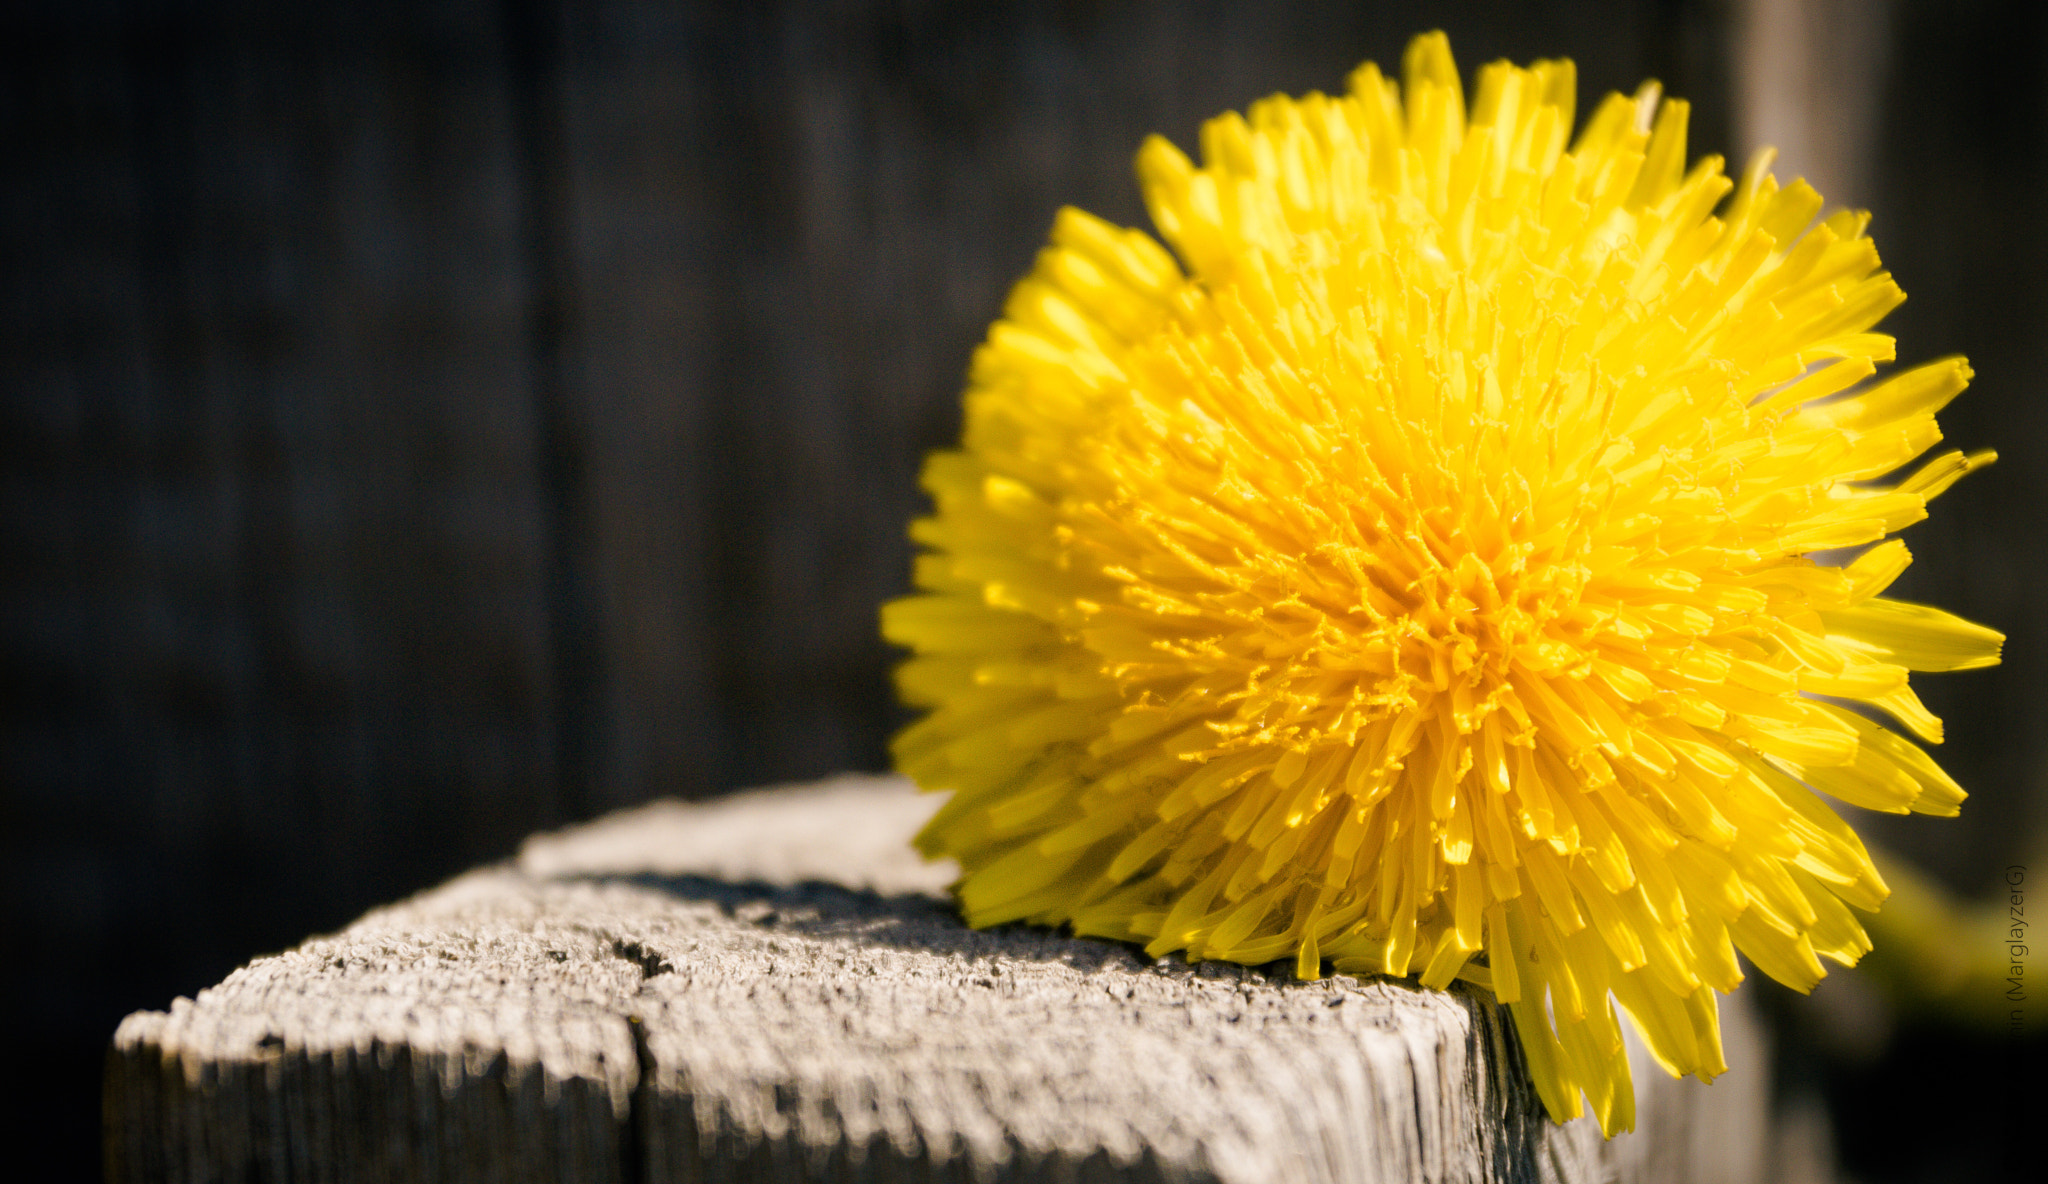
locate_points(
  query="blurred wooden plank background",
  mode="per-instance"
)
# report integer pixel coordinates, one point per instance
(427, 422)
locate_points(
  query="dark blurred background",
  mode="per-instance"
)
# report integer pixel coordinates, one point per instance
(429, 422)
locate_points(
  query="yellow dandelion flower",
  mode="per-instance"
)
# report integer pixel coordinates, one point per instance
(1415, 574)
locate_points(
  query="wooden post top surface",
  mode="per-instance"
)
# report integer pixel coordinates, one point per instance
(772, 986)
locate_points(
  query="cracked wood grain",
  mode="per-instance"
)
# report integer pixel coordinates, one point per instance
(773, 987)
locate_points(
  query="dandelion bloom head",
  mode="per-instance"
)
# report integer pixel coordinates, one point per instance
(1414, 569)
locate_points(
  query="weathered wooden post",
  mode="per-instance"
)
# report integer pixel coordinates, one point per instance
(773, 987)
